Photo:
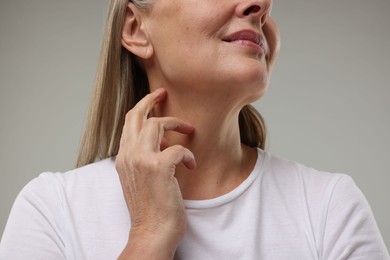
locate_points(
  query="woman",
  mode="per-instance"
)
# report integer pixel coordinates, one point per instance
(182, 172)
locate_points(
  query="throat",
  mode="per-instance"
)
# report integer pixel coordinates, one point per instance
(216, 178)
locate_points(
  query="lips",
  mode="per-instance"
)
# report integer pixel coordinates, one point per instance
(247, 38)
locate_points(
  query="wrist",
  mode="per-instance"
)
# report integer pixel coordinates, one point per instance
(149, 245)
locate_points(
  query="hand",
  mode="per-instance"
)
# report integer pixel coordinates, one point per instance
(146, 173)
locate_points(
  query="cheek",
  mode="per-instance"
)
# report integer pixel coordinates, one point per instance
(189, 49)
(272, 35)
(185, 49)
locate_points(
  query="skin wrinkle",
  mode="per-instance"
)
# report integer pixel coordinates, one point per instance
(208, 81)
(201, 41)
(201, 25)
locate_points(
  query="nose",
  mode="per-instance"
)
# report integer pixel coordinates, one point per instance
(257, 9)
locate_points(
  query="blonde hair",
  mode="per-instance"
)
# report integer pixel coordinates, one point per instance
(120, 84)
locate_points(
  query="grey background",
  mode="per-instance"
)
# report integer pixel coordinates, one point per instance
(327, 107)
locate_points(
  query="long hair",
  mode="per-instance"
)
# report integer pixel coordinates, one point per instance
(120, 84)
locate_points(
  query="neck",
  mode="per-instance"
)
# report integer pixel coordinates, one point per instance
(222, 161)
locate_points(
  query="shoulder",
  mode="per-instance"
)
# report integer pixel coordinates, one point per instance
(95, 176)
(51, 188)
(292, 176)
(44, 217)
(340, 217)
(94, 172)
(317, 190)
(318, 187)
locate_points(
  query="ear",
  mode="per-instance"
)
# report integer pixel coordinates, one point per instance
(134, 36)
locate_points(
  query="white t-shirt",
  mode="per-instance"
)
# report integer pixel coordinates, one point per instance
(282, 211)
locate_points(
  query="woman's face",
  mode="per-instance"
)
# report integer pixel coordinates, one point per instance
(213, 44)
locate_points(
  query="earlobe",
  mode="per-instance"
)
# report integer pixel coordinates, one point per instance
(134, 36)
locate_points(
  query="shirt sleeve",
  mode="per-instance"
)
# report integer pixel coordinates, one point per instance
(350, 230)
(33, 230)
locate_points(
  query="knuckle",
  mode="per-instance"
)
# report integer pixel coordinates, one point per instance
(129, 114)
(153, 121)
(156, 164)
(179, 149)
(119, 163)
(147, 164)
(138, 162)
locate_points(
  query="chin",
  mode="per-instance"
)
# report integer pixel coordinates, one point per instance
(255, 94)
(254, 87)
(254, 80)
(247, 72)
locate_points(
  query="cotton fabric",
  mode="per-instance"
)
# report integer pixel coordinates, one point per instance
(282, 211)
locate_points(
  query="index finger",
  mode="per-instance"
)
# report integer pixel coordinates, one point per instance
(138, 115)
(145, 105)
